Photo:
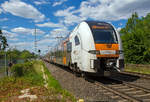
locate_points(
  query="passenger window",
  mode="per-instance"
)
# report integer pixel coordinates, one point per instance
(76, 40)
(69, 47)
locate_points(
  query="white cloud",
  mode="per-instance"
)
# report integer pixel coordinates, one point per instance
(23, 46)
(3, 19)
(1, 10)
(52, 36)
(47, 36)
(40, 2)
(58, 3)
(69, 15)
(49, 24)
(113, 9)
(104, 10)
(21, 30)
(4, 27)
(10, 36)
(14, 39)
(39, 32)
(44, 41)
(43, 44)
(19, 8)
(60, 32)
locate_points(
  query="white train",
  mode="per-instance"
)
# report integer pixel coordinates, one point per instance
(93, 47)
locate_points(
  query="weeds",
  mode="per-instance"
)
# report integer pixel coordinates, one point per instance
(29, 75)
(145, 69)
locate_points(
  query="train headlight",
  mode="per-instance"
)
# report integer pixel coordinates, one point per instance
(119, 51)
(94, 51)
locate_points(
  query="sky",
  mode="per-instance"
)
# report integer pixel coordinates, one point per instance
(56, 18)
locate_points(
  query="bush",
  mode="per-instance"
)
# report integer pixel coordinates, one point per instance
(19, 70)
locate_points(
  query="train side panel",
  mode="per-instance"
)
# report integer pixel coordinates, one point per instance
(87, 44)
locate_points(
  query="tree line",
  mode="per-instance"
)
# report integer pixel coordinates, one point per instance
(136, 39)
(14, 54)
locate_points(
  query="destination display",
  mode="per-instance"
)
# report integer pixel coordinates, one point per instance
(102, 52)
(101, 27)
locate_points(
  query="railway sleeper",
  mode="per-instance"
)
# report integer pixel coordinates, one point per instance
(142, 95)
(134, 92)
(128, 89)
(114, 97)
(146, 100)
(118, 87)
(120, 94)
(123, 100)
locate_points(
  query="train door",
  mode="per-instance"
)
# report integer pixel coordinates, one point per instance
(68, 55)
(64, 53)
(77, 51)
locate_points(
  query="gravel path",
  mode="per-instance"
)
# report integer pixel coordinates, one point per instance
(80, 88)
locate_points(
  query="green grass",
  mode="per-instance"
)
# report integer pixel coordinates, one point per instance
(10, 86)
(54, 85)
(52, 82)
(31, 75)
(144, 69)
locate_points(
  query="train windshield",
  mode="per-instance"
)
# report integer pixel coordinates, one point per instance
(104, 36)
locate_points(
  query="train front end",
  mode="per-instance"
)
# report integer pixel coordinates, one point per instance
(108, 49)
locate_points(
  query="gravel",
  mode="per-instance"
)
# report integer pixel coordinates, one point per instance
(135, 80)
(88, 91)
(78, 86)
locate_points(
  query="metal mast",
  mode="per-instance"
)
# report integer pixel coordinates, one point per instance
(35, 42)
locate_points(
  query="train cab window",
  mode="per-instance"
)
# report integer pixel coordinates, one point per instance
(69, 47)
(76, 40)
(104, 36)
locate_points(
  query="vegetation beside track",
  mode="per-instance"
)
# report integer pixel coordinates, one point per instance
(2, 70)
(143, 69)
(29, 75)
(135, 38)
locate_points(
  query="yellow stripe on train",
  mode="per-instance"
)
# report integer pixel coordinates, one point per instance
(112, 48)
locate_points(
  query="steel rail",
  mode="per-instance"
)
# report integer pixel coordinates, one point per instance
(144, 76)
(135, 89)
(118, 93)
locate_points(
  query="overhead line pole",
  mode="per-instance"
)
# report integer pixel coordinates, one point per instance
(35, 42)
(59, 39)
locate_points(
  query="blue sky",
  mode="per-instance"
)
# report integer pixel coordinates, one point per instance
(52, 18)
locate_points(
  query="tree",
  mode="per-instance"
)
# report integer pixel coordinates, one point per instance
(136, 39)
(3, 41)
(25, 55)
(13, 54)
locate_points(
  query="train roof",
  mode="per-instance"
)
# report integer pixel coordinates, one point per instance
(97, 23)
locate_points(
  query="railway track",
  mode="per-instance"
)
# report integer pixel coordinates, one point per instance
(125, 92)
(144, 76)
